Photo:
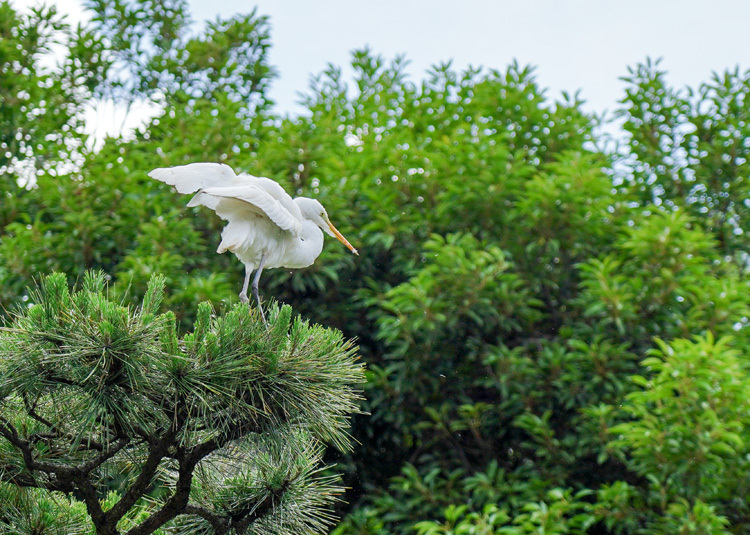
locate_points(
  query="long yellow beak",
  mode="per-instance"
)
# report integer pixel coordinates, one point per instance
(341, 238)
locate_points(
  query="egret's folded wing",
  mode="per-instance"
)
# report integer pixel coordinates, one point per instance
(277, 192)
(195, 176)
(261, 201)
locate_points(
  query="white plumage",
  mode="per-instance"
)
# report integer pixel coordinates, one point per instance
(266, 228)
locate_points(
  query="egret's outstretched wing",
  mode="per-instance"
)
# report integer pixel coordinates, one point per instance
(255, 198)
(195, 176)
(231, 195)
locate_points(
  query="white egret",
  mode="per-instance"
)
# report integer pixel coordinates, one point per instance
(266, 228)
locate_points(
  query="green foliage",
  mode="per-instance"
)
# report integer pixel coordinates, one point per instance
(687, 432)
(672, 276)
(455, 270)
(42, 104)
(28, 511)
(700, 519)
(152, 52)
(95, 395)
(556, 511)
(512, 275)
(688, 148)
(41, 128)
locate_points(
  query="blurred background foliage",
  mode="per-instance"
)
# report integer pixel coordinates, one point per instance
(556, 334)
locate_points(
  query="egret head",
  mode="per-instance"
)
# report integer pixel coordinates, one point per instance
(314, 211)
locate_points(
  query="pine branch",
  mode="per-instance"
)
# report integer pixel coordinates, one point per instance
(31, 411)
(89, 466)
(82, 470)
(88, 493)
(86, 444)
(158, 450)
(9, 432)
(201, 450)
(252, 514)
(24, 479)
(239, 521)
(219, 524)
(90, 443)
(175, 504)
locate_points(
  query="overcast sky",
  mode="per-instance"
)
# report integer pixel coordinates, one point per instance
(575, 44)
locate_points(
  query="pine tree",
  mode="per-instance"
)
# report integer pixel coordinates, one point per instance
(111, 424)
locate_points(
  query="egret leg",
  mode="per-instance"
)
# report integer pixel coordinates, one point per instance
(256, 280)
(243, 293)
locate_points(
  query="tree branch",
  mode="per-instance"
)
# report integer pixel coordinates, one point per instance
(24, 479)
(88, 493)
(11, 435)
(100, 459)
(201, 450)
(60, 470)
(157, 452)
(176, 503)
(239, 521)
(31, 410)
(219, 523)
(256, 513)
(8, 431)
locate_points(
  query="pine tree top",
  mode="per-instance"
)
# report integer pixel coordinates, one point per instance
(231, 417)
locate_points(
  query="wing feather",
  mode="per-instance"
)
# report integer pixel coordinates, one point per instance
(229, 194)
(262, 202)
(195, 176)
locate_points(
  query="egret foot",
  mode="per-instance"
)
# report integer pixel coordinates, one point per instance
(256, 281)
(260, 303)
(243, 293)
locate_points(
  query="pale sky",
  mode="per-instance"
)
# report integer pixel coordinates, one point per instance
(575, 44)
